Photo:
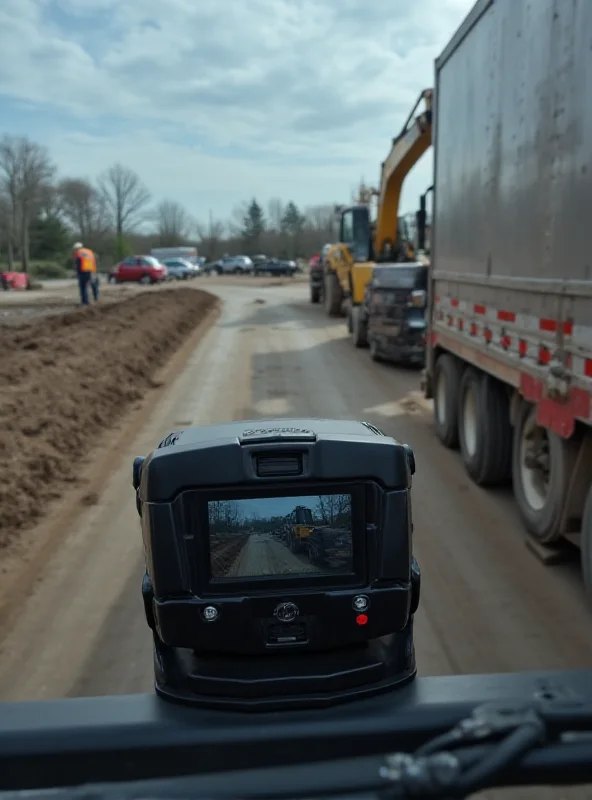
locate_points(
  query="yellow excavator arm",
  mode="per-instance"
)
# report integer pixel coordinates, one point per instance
(406, 150)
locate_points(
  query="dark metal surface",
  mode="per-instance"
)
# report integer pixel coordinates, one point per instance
(351, 779)
(514, 143)
(136, 737)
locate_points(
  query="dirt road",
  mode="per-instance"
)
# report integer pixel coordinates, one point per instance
(487, 604)
(262, 555)
(66, 378)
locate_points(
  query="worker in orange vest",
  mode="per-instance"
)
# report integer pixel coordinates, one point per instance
(86, 272)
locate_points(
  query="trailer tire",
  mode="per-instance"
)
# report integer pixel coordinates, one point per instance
(586, 543)
(315, 294)
(447, 375)
(484, 430)
(359, 330)
(541, 502)
(333, 297)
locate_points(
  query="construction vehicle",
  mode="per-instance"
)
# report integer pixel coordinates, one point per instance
(423, 231)
(509, 359)
(393, 312)
(362, 242)
(300, 526)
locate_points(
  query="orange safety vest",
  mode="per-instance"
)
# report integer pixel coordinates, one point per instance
(88, 260)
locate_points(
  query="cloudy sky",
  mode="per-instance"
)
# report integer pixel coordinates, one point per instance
(216, 101)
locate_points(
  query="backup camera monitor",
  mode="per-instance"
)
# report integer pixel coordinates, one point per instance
(280, 537)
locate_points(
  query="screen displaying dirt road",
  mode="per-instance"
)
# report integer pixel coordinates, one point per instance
(274, 536)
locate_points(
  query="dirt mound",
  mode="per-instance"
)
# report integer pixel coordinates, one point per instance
(64, 379)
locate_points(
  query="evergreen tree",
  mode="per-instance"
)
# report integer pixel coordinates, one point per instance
(253, 225)
(48, 238)
(293, 221)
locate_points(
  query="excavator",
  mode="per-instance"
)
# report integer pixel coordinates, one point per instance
(363, 243)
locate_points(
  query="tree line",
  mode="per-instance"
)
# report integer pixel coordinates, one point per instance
(334, 510)
(226, 516)
(43, 213)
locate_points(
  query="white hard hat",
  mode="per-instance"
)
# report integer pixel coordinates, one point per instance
(77, 246)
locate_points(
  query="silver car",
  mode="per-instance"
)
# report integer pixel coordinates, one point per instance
(231, 265)
(180, 269)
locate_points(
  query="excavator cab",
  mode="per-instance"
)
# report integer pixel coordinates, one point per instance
(355, 232)
(348, 263)
(301, 527)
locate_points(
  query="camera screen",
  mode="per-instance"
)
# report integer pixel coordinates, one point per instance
(280, 536)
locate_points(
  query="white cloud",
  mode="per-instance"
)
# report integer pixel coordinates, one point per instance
(298, 98)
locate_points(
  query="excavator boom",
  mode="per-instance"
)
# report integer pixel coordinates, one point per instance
(348, 264)
(406, 150)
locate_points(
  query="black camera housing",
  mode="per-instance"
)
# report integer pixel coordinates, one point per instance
(338, 632)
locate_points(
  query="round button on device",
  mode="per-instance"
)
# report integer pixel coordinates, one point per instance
(210, 613)
(360, 602)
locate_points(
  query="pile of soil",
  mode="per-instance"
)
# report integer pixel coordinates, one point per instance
(64, 379)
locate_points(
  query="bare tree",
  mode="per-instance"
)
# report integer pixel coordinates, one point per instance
(174, 224)
(85, 208)
(334, 509)
(321, 218)
(50, 203)
(37, 172)
(10, 184)
(275, 213)
(125, 195)
(210, 236)
(25, 170)
(237, 222)
(6, 228)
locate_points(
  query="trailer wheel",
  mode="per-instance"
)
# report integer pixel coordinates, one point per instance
(484, 431)
(586, 543)
(332, 295)
(447, 374)
(315, 294)
(359, 328)
(542, 465)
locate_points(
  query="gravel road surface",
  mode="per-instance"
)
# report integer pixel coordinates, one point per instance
(487, 605)
(262, 555)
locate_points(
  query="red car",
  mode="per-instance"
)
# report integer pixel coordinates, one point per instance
(142, 269)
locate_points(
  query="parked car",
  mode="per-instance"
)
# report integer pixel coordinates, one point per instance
(274, 266)
(139, 269)
(235, 265)
(180, 269)
(164, 254)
